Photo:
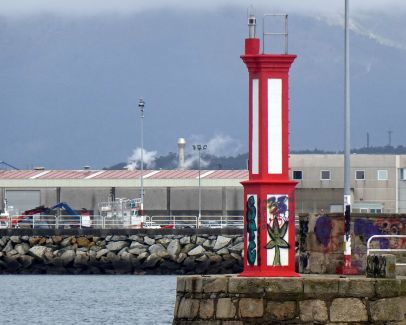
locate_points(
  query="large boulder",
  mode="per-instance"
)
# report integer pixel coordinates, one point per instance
(37, 251)
(81, 259)
(164, 241)
(137, 250)
(119, 238)
(115, 246)
(187, 248)
(26, 260)
(57, 239)
(15, 239)
(149, 241)
(83, 242)
(181, 258)
(197, 251)
(236, 248)
(8, 247)
(159, 250)
(142, 256)
(67, 256)
(136, 238)
(67, 241)
(136, 244)
(209, 243)
(173, 248)
(221, 242)
(151, 261)
(101, 253)
(185, 240)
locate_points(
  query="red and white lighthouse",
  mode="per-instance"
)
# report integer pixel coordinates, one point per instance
(269, 235)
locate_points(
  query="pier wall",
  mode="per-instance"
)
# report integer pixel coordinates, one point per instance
(232, 300)
(321, 239)
(187, 251)
(90, 251)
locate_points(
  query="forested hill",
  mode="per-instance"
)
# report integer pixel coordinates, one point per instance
(170, 160)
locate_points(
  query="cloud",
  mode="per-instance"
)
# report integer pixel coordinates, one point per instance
(97, 7)
(149, 158)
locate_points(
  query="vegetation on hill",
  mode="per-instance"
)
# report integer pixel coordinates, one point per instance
(170, 161)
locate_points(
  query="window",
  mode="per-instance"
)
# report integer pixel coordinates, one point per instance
(382, 175)
(375, 210)
(403, 174)
(360, 174)
(297, 174)
(325, 175)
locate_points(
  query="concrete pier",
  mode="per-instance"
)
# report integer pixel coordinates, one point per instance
(311, 299)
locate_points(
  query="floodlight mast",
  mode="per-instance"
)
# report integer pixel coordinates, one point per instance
(141, 106)
(347, 267)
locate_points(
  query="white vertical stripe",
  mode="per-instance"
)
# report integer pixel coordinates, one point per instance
(274, 126)
(255, 128)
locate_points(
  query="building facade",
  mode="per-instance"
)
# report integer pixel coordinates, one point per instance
(378, 186)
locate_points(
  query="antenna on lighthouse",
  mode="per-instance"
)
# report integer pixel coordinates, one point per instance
(252, 22)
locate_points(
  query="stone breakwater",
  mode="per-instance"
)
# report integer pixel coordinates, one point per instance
(143, 252)
(231, 300)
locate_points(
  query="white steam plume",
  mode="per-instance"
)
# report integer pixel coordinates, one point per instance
(223, 145)
(220, 145)
(357, 27)
(149, 157)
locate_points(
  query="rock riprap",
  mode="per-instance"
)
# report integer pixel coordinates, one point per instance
(121, 254)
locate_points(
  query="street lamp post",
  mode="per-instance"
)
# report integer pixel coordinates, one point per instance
(347, 267)
(141, 105)
(199, 148)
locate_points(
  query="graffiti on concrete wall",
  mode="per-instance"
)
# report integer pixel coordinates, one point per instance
(365, 228)
(326, 234)
(277, 227)
(329, 233)
(252, 229)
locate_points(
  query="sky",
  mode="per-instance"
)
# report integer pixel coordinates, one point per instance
(72, 72)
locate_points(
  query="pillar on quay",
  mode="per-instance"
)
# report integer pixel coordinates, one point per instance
(269, 236)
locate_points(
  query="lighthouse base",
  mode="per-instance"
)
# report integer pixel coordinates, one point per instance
(310, 299)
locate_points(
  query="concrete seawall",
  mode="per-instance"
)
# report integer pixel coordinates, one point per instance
(118, 251)
(232, 300)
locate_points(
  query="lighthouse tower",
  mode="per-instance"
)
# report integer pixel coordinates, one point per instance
(269, 235)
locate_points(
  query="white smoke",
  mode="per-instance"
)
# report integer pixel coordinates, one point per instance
(357, 27)
(134, 161)
(223, 145)
(220, 145)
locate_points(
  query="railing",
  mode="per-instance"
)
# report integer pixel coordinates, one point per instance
(192, 221)
(103, 222)
(369, 250)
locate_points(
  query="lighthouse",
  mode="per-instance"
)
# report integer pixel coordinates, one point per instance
(269, 212)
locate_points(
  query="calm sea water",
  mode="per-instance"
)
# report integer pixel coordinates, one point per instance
(87, 299)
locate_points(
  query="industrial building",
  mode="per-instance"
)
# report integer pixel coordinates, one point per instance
(378, 186)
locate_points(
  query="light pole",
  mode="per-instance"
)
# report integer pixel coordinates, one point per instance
(199, 148)
(141, 105)
(347, 267)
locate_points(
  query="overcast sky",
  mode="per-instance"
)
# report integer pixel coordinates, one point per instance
(96, 7)
(71, 74)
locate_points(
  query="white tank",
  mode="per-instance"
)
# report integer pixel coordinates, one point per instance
(181, 153)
